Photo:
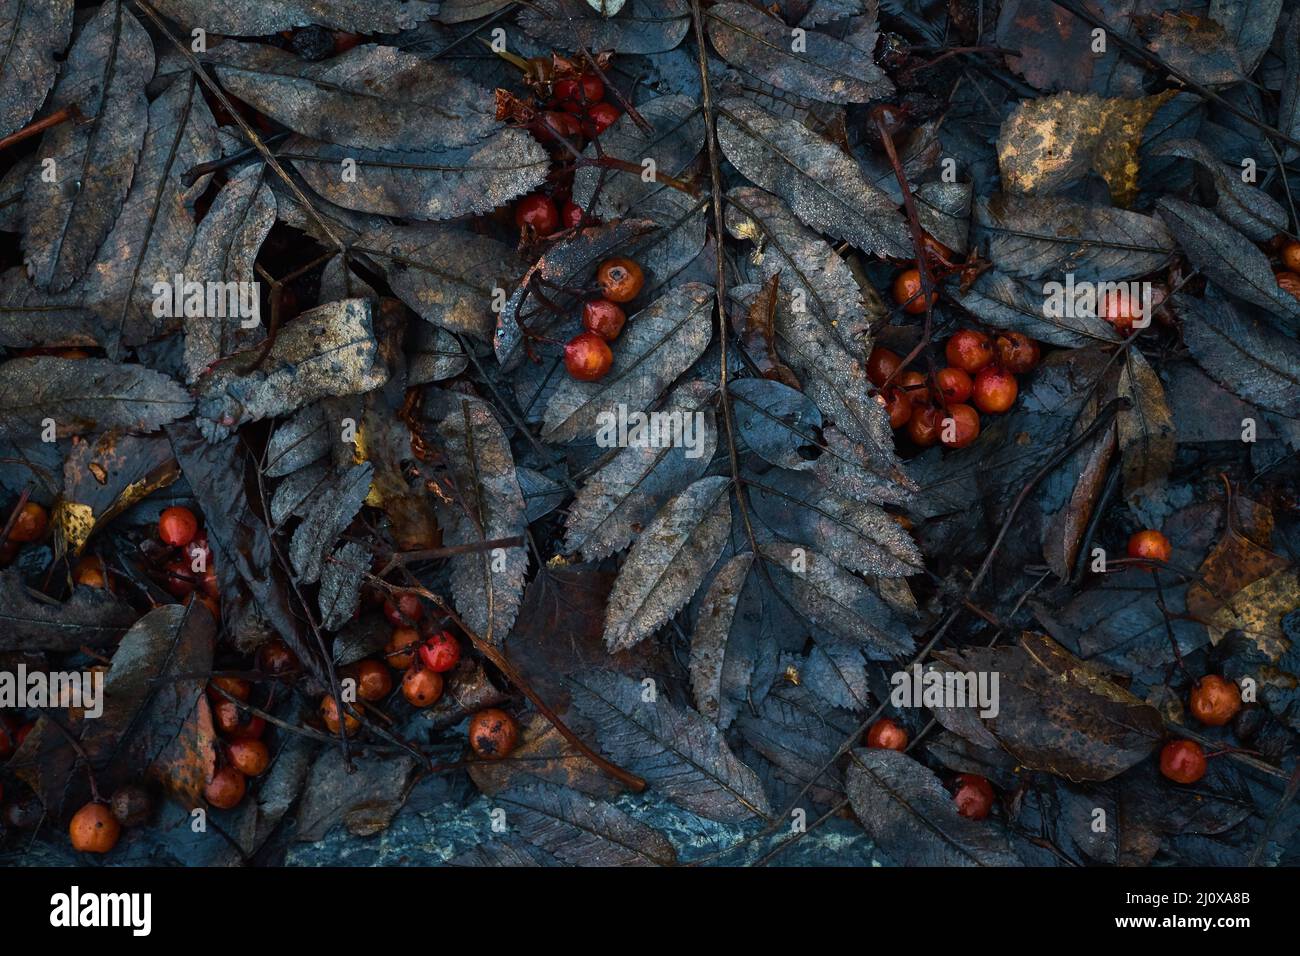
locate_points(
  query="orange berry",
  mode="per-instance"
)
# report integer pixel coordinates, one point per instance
(960, 426)
(1214, 700)
(881, 364)
(493, 733)
(400, 651)
(884, 734)
(604, 318)
(422, 687)
(587, 357)
(226, 789)
(620, 279)
(177, 526)
(30, 524)
(969, 350)
(1182, 761)
(994, 390)
(249, 757)
(908, 292)
(1150, 545)
(94, 829)
(954, 384)
(1017, 352)
(329, 712)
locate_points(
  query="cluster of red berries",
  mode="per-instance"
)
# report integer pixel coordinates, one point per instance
(587, 356)
(981, 370)
(1214, 701)
(576, 108)
(187, 568)
(245, 753)
(972, 793)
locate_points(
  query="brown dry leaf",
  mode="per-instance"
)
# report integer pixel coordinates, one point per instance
(759, 335)
(1048, 142)
(1257, 611)
(1235, 562)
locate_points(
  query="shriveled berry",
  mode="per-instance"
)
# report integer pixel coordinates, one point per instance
(493, 733)
(973, 796)
(131, 805)
(1215, 700)
(329, 712)
(94, 829)
(400, 651)
(536, 216)
(313, 43)
(1150, 545)
(30, 524)
(600, 118)
(923, 427)
(969, 350)
(1017, 352)
(620, 279)
(994, 390)
(897, 405)
(276, 657)
(374, 682)
(960, 426)
(177, 526)
(954, 384)
(406, 609)
(1182, 761)
(908, 292)
(421, 687)
(881, 364)
(249, 757)
(603, 317)
(440, 652)
(226, 789)
(1121, 309)
(587, 357)
(885, 734)
(1288, 282)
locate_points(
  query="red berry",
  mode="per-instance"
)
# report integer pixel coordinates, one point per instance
(1214, 700)
(908, 292)
(236, 687)
(1017, 352)
(30, 524)
(954, 384)
(884, 734)
(969, 351)
(897, 404)
(249, 757)
(600, 118)
(226, 789)
(881, 364)
(405, 610)
(994, 390)
(536, 216)
(923, 427)
(587, 357)
(553, 125)
(604, 318)
(571, 215)
(493, 734)
(421, 687)
(180, 579)
(1182, 761)
(584, 90)
(974, 796)
(440, 652)
(177, 526)
(229, 719)
(1120, 309)
(94, 829)
(620, 279)
(960, 426)
(1150, 545)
